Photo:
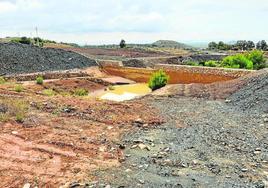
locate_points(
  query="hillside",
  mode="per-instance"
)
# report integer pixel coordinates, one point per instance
(170, 44)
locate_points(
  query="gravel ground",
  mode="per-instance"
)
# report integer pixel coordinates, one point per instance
(203, 143)
(20, 58)
(253, 97)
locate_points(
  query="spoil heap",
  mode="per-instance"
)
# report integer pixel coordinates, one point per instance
(20, 58)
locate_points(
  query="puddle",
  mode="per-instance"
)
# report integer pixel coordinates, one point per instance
(125, 92)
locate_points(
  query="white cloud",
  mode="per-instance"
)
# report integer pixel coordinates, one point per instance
(18, 5)
(107, 21)
(6, 7)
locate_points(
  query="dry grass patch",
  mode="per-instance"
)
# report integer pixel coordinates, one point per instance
(13, 109)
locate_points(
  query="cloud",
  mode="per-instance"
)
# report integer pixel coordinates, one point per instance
(6, 6)
(18, 5)
(138, 21)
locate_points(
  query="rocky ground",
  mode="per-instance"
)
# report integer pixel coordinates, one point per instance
(21, 58)
(203, 142)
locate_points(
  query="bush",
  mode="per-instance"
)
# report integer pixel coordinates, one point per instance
(192, 63)
(19, 118)
(40, 80)
(22, 40)
(237, 61)
(111, 88)
(18, 88)
(158, 79)
(49, 92)
(81, 92)
(257, 57)
(16, 110)
(211, 63)
(2, 80)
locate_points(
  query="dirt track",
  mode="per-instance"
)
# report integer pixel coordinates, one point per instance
(64, 140)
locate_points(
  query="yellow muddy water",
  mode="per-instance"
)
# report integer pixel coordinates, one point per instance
(126, 92)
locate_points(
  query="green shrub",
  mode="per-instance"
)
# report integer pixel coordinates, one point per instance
(2, 80)
(19, 117)
(158, 79)
(111, 87)
(192, 63)
(18, 88)
(40, 80)
(22, 40)
(81, 92)
(211, 63)
(237, 61)
(258, 59)
(49, 92)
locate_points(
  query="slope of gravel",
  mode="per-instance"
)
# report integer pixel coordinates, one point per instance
(253, 96)
(203, 144)
(20, 58)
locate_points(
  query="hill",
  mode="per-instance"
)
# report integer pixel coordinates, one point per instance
(170, 44)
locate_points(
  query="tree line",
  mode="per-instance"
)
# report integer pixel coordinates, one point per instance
(239, 45)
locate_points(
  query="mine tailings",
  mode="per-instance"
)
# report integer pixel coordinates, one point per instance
(179, 74)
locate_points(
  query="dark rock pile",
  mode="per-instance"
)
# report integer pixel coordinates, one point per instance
(253, 96)
(134, 63)
(20, 58)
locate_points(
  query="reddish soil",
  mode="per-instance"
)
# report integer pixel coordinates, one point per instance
(70, 85)
(176, 76)
(217, 90)
(65, 139)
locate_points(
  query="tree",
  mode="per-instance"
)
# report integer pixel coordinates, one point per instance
(122, 43)
(212, 45)
(262, 45)
(221, 45)
(250, 45)
(242, 45)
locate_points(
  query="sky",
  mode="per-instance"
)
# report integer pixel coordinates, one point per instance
(136, 21)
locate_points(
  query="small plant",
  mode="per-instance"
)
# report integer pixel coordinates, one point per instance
(18, 88)
(211, 63)
(19, 118)
(2, 80)
(111, 88)
(158, 79)
(49, 92)
(192, 63)
(81, 92)
(40, 80)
